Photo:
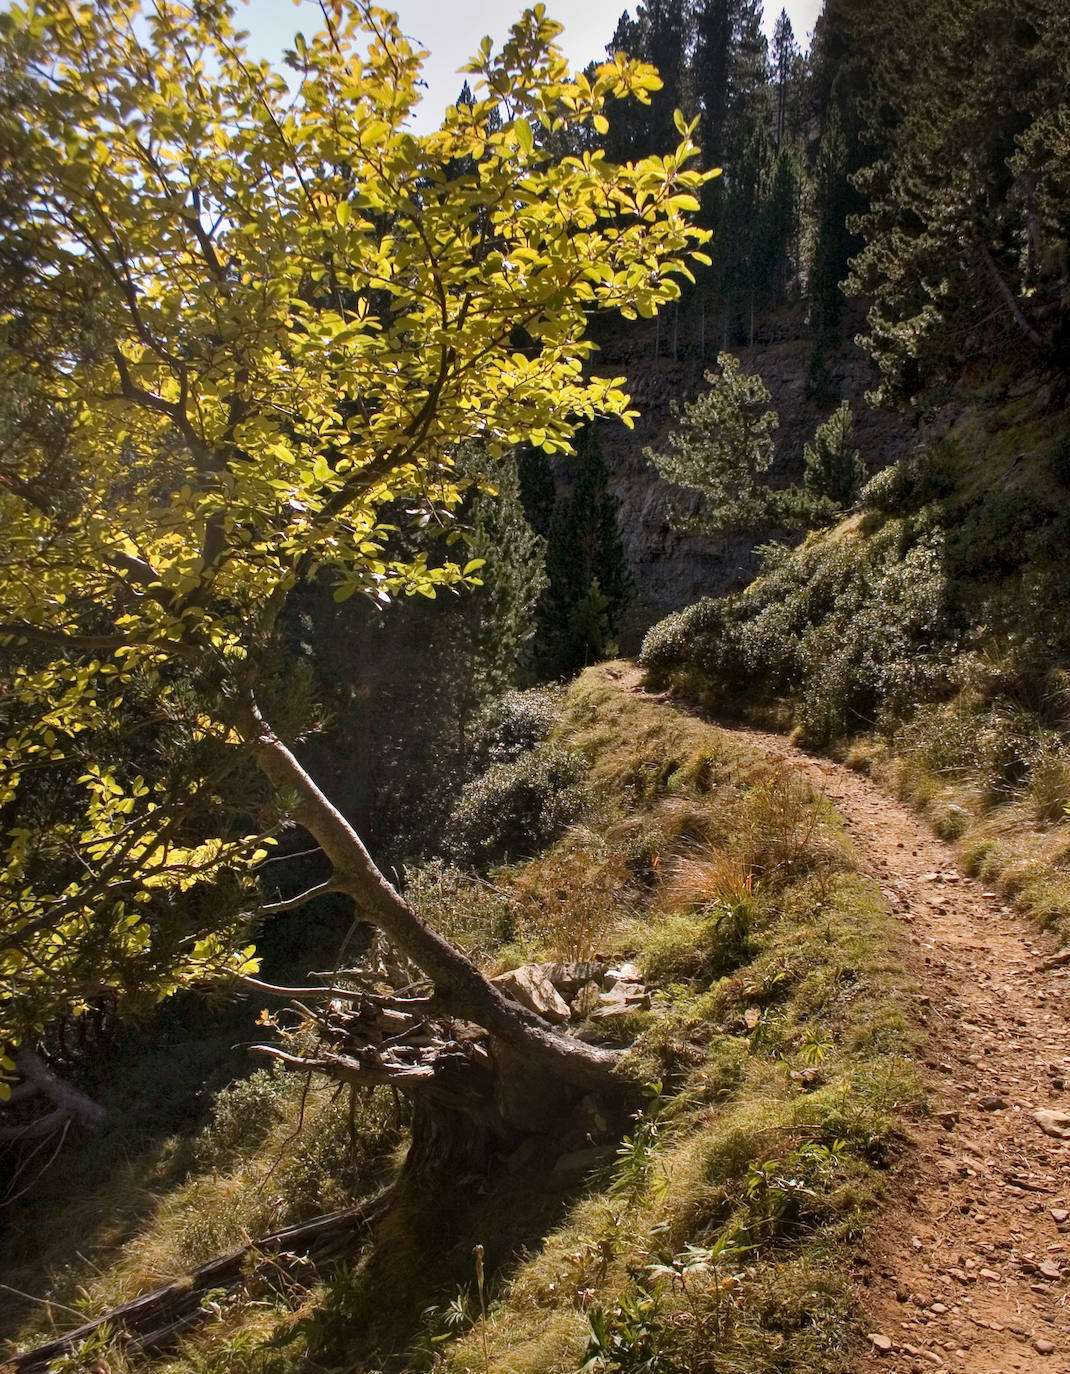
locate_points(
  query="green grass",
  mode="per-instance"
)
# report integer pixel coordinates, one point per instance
(782, 1044)
(720, 1235)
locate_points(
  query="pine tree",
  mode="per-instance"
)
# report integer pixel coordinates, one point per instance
(749, 103)
(714, 35)
(840, 79)
(966, 237)
(589, 585)
(833, 240)
(779, 226)
(785, 53)
(661, 34)
(628, 126)
(668, 26)
(721, 447)
(834, 467)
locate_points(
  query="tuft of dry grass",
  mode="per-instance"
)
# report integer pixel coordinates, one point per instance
(714, 879)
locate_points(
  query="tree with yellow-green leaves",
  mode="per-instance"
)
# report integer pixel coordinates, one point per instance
(245, 324)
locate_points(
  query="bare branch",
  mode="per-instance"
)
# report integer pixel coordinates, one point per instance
(345, 1070)
(322, 890)
(276, 990)
(68, 1103)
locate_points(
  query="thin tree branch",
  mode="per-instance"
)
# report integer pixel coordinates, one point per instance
(322, 890)
(1007, 296)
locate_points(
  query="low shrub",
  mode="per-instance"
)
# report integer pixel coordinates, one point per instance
(516, 808)
(914, 482)
(513, 722)
(850, 630)
(242, 1115)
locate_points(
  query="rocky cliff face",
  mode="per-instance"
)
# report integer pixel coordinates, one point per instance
(666, 359)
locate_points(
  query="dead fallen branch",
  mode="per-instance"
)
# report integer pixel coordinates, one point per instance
(156, 1320)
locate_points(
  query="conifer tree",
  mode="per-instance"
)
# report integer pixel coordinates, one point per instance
(833, 240)
(834, 468)
(784, 55)
(714, 35)
(661, 34)
(721, 447)
(588, 581)
(667, 42)
(628, 130)
(966, 132)
(840, 80)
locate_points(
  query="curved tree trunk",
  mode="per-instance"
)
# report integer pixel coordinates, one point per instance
(476, 1098)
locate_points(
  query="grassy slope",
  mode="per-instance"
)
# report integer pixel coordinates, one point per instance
(721, 1235)
(926, 639)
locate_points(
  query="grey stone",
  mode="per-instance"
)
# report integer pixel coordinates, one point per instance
(529, 986)
(568, 979)
(624, 973)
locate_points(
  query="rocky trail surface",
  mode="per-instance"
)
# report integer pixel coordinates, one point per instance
(967, 1267)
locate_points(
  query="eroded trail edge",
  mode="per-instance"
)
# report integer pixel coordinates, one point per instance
(967, 1267)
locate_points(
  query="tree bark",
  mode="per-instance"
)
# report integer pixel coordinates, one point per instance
(68, 1104)
(461, 989)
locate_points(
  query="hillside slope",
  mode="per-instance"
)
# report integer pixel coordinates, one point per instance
(767, 1011)
(925, 637)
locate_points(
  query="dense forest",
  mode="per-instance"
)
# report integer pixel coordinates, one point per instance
(335, 462)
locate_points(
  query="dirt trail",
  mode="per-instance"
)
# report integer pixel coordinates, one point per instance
(967, 1267)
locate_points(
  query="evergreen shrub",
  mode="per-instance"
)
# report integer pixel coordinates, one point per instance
(515, 808)
(1000, 532)
(849, 631)
(914, 482)
(242, 1114)
(515, 721)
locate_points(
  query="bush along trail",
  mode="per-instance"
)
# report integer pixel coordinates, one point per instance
(966, 1266)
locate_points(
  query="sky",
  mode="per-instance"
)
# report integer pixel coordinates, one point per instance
(451, 29)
